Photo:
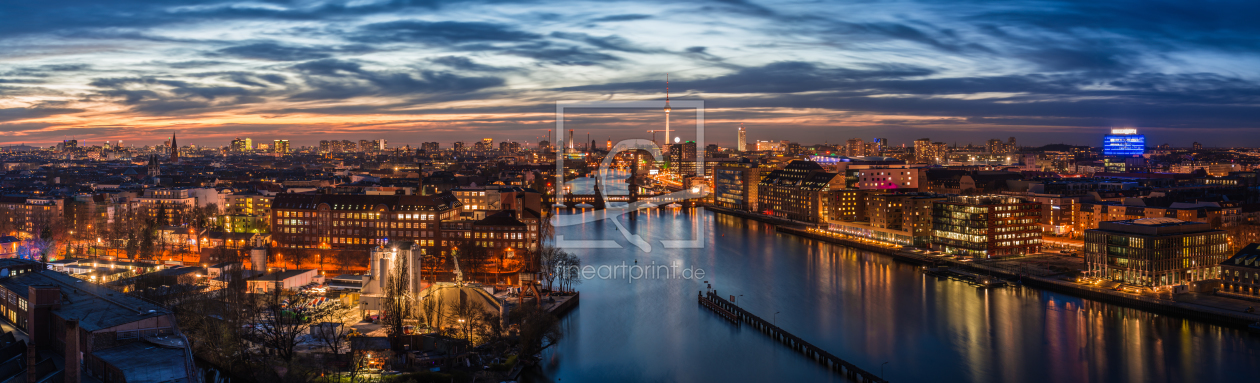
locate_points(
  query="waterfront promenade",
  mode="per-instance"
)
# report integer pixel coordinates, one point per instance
(1203, 307)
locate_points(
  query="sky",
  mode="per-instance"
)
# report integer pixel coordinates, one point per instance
(412, 71)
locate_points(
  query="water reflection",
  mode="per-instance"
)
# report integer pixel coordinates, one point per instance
(866, 309)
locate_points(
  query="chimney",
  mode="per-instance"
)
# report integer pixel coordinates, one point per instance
(73, 368)
(42, 300)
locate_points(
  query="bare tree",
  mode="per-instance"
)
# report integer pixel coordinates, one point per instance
(398, 301)
(569, 271)
(281, 322)
(333, 332)
(550, 258)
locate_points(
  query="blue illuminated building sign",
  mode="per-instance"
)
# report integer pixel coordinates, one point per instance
(1124, 142)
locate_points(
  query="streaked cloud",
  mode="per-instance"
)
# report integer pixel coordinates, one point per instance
(425, 70)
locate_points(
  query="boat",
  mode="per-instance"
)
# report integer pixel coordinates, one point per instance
(674, 205)
(584, 206)
(1254, 327)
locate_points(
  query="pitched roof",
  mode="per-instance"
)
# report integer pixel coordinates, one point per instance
(1248, 257)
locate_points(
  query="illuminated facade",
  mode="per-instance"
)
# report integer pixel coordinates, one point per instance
(799, 191)
(1124, 142)
(986, 226)
(1154, 251)
(735, 186)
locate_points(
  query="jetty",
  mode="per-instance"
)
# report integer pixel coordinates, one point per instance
(738, 315)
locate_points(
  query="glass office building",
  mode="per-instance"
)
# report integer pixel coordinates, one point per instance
(1124, 142)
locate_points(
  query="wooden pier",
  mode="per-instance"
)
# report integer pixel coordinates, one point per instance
(738, 315)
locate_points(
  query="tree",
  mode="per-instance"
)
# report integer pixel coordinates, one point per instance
(334, 331)
(398, 301)
(550, 259)
(569, 272)
(281, 323)
(538, 329)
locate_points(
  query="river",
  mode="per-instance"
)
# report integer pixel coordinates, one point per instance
(862, 307)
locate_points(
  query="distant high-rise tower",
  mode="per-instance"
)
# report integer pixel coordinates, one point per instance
(609, 146)
(174, 149)
(855, 147)
(667, 108)
(570, 142)
(741, 143)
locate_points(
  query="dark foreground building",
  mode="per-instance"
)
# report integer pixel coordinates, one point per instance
(64, 321)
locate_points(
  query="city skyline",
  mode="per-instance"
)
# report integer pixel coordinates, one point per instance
(1057, 73)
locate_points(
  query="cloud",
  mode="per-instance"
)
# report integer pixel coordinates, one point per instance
(275, 52)
(566, 56)
(18, 114)
(621, 17)
(465, 64)
(439, 32)
(336, 79)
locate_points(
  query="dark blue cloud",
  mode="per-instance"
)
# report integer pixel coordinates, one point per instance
(275, 52)
(439, 32)
(339, 79)
(622, 17)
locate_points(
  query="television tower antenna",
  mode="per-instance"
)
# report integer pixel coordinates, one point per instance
(667, 109)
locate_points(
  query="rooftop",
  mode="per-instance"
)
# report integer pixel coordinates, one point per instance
(96, 307)
(1248, 257)
(147, 362)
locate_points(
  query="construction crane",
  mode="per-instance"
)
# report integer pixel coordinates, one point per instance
(654, 135)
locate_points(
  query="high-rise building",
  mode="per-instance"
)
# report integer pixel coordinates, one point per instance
(429, 147)
(544, 146)
(924, 152)
(1197, 146)
(986, 226)
(240, 145)
(458, 146)
(741, 142)
(735, 185)
(1155, 252)
(881, 144)
(280, 146)
(1124, 143)
(855, 147)
(682, 157)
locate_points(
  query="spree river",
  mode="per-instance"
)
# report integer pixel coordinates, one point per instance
(862, 307)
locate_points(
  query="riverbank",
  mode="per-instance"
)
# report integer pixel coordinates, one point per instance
(1191, 306)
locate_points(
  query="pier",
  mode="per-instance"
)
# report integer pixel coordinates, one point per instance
(738, 315)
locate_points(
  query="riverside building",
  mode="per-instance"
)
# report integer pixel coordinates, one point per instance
(1154, 252)
(986, 226)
